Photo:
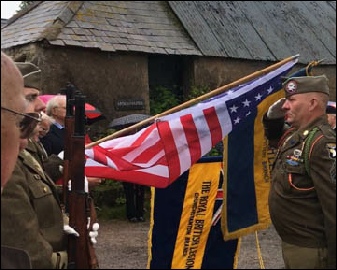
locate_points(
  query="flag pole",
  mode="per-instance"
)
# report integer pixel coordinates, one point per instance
(194, 101)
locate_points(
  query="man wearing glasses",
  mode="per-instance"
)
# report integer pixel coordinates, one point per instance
(31, 216)
(15, 124)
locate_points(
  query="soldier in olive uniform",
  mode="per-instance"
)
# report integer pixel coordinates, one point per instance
(31, 216)
(302, 198)
(50, 164)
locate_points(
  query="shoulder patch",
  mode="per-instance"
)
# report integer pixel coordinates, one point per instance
(331, 147)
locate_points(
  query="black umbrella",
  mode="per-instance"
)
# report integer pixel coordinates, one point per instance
(331, 108)
(128, 120)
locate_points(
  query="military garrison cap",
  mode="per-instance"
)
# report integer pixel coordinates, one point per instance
(31, 74)
(307, 84)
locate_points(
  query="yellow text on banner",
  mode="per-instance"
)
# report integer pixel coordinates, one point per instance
(196, 218)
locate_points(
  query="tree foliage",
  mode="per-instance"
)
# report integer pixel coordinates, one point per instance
(162, 99)
(24, 4)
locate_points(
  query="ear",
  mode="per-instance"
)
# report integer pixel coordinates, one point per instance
(313, 104)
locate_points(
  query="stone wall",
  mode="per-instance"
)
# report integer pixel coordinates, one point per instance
(106, 78)
(216, 72)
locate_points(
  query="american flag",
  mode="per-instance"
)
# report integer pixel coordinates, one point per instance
(159, 154)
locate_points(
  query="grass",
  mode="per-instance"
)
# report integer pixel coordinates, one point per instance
(114, 212)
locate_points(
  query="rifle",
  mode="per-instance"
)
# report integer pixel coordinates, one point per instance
(82, 213)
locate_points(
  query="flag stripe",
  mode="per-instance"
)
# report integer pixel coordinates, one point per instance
(214, 125)
(169, 147)
(188, 154)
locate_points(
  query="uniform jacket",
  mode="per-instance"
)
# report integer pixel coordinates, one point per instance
(54, 140)
(31, 216)
(37, 151)
(13, 258)
(303, 207)
(50, 163)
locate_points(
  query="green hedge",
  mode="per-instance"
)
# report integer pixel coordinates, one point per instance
(110, 202)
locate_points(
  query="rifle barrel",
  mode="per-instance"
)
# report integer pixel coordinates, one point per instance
(81, 253)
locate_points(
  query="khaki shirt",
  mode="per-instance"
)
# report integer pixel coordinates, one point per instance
(31, 217)
(303, 208)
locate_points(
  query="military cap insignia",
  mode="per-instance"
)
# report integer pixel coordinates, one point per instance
(291, 87)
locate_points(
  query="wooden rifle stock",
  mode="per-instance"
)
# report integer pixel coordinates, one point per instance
(82, 213)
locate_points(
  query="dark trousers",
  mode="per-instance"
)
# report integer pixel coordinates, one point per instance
(134, 195)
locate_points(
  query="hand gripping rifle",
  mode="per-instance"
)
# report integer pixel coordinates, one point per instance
(82, 213)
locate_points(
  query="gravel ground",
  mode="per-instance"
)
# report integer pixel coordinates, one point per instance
(123, 245)
(270, 251)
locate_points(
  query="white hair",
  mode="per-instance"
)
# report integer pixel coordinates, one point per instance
(46, 118)
(53, 103)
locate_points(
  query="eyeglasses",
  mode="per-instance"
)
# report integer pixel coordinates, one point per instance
(27, 122)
